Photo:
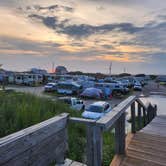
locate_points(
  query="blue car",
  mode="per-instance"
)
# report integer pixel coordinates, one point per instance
(96, 110)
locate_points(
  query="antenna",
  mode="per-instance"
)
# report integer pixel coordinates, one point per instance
(110, 69)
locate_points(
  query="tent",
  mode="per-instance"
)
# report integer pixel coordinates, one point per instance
(92, 93)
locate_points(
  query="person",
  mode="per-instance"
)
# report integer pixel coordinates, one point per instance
(107, 92)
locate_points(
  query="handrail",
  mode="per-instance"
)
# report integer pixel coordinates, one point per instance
(107, 121)
(141, 103)
(53, 135)
(81, 120)
(114, 119)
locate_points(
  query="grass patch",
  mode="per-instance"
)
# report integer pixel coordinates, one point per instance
(163, 83)
(19, 110)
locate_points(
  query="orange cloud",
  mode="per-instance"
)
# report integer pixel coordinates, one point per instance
(21, 52)
(135, 49)
(122, 58)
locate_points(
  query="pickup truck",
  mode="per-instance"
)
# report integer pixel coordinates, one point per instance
(74, 103)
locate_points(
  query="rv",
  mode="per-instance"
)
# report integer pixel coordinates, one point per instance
(28, 79)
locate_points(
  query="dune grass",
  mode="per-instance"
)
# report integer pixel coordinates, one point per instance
(19, 110)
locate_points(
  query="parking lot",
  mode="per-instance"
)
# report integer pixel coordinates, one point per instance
(39, 91)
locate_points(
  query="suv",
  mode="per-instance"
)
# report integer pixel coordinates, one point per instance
(96, 110)
(73, 102)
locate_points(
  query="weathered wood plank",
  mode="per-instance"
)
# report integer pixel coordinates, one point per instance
(133, 127)
(120, 135)
(82, 120)
(144, 117)
(139, 116)
(36, 145)
(94, 145)
(139, 101)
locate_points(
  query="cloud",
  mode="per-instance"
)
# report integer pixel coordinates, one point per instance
(84, 30)
(15, 46)
(90, 31)
(50, 22)
(55, 7)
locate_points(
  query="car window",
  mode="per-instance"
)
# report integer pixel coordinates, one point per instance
(94, 108)
(74, 102)
(106, 107)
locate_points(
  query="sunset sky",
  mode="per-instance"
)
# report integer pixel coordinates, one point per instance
(84, 35)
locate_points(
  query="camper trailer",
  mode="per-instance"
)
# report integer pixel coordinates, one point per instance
(28, 79)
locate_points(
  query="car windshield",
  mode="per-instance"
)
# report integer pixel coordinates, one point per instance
(94, 108)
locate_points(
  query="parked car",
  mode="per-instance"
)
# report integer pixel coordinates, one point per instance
(74, 103)
(50, 87)
(96, 110)
(69, 88)
(138, 86)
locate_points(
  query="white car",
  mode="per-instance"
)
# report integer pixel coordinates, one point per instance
(74, 103)
(50, 87)
(96, 110)
(138, 86)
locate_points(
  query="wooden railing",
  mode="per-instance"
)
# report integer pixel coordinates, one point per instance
(47, 141)
(38, 145)
(115, 119)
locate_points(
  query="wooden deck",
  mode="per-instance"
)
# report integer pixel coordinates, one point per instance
(147, 147)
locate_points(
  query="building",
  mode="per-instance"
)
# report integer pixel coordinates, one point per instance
(60, 70)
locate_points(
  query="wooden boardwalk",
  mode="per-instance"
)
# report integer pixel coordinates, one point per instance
(147, 147)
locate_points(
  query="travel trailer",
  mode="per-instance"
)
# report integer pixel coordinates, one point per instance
(28, 79)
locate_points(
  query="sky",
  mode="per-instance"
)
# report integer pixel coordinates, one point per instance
(84, 35)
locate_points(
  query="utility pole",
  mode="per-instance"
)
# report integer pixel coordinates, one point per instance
(124, 70)
(110, 69)
(53, 67)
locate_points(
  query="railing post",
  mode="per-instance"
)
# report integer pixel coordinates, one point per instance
(94, 145)
(139, 117)
(133, 127)
(120, 135)
(144, 116)
(62, 154)
(155, 112)
(150, 113)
